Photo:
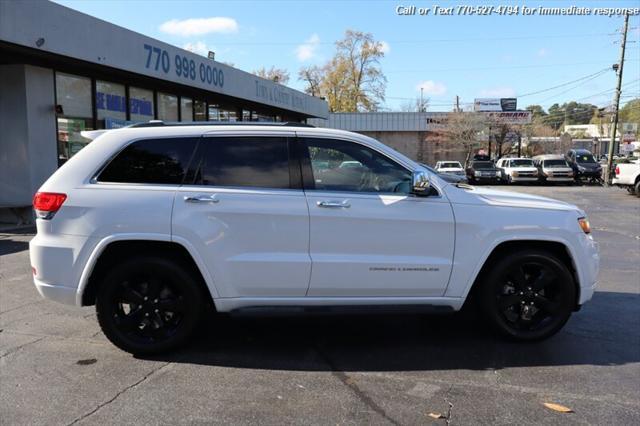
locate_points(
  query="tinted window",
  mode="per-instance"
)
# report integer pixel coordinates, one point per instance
(163, 161)
(347, 166)
(244, 161)
(585, 157)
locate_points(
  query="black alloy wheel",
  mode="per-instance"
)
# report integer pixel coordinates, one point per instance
(529, 295)
(148, 305)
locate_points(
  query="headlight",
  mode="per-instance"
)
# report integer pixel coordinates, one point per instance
(535, 173)
(581, 169)
(514, 174)
(584, 225)
(477, 173)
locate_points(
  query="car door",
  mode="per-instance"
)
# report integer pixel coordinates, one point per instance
(369, 237)
(243, 208)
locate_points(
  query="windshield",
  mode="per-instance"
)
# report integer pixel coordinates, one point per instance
(521, 163)
(585, 158)
(482, 165)
(554, 164)
(450, 164)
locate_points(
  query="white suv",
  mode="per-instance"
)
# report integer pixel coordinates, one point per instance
(155, 222)
(452, 167)
(518, 170)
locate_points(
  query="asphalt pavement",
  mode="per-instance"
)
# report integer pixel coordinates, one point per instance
(57, 368)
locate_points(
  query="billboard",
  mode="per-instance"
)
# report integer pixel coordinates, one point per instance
(495, 104)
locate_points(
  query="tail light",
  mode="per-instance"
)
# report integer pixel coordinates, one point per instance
(617, 170)
(46, 204)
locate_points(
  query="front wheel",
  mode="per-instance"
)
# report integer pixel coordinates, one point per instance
(528, 295)
(148, 305)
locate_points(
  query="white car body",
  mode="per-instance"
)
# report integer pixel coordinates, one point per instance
(514, 173)
(452, 167)
(627, 174)
(265, 247)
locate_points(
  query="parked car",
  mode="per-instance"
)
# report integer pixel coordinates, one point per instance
(152, 224)
(553, 168)
(447, 177)
(584, 165)
(516, 170)
(483, 171)
(451, 167)
(627, 175)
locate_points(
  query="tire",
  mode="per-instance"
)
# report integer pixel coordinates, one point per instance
(528, 295)
(149, 305)
(637, 189)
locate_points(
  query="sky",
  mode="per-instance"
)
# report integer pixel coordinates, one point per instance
(447, 56)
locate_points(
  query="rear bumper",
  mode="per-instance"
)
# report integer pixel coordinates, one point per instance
(57, 293)
(58, 262)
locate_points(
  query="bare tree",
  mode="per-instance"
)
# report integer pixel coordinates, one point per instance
(462, 130)
(312, 76)
(279, 75)
(415, 105)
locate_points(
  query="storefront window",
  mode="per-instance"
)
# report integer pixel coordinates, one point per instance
(74, 113)
(186, 109)
(111, 105)
(246, 115)
(167, 107)
(214, 112)
(140, 104)
(200, 110)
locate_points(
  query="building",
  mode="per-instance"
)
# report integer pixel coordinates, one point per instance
(62, 72)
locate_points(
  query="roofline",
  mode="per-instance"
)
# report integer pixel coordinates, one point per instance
(160, 123)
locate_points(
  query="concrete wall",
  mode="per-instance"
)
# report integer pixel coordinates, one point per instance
(28, 151)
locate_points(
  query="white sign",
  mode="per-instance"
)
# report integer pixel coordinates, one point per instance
(510, 117)
(487, 104)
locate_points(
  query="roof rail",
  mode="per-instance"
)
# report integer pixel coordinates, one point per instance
(160, 123)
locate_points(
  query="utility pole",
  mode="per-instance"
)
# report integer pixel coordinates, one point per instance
(421, 101)
(457, 103)
(616, 103)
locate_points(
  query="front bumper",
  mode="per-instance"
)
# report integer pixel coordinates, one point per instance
(524, 179)
(559, 179)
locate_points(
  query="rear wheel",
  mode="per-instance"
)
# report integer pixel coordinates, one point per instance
(528, 295)
(637, 188)
(148, 305)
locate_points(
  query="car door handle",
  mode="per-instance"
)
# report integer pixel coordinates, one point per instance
(202, 199)
(332, 204)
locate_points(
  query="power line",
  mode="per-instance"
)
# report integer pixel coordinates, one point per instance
(595, 74)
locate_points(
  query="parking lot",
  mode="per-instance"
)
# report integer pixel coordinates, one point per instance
(56, 367)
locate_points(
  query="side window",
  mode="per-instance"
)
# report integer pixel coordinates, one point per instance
(338, 165)
(160, 161)
(261, 162)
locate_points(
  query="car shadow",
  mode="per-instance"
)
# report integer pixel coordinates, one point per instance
(9, 246)
(605, 332)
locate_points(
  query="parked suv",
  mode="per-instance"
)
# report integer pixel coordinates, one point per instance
(152, 224)
(515, 170)
(482, 171)
(584, 165)
(553, 168)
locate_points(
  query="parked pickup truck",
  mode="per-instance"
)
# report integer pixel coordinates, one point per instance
(627, 175)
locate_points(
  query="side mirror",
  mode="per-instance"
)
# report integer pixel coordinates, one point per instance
(420, 184)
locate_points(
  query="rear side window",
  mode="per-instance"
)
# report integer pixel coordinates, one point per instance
(159, 161)
(259, 162)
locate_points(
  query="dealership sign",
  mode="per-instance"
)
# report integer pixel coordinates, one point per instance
(495, 104)
(509, 117)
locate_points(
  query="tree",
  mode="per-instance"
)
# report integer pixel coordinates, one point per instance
(463, 129)
(415, 105)
(352, 80)
(537, 113)
(630, 113)
(569, 113)
(279, 75)
(312, 76)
